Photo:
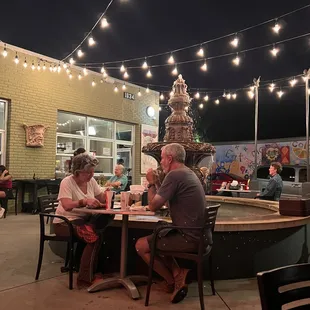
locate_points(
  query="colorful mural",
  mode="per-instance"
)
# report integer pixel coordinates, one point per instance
(239, 159)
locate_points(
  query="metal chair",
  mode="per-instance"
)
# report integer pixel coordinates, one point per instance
(202, 253)
(52, 237)
(53, 186)
(48, 204)
(274, 287)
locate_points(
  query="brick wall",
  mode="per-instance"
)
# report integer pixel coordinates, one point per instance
(35, 96)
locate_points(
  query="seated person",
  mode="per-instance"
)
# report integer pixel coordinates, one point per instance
(79, 190)
(2, 210)
(224, 185)
(5, 187)
(119, 181)
(274, 187)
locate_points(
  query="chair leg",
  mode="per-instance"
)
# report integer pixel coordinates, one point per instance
(15, 205)
(200, 283)
(211, 274)
(40, 258)
(67, 255)
(71, 257)
(150, 279)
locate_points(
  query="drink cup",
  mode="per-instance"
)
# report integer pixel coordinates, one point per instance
(124, 200)
(109, 198)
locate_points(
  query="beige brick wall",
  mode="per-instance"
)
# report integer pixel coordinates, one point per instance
(34, 98)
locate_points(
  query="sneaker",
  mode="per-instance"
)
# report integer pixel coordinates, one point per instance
(181, 288)
(2, 211)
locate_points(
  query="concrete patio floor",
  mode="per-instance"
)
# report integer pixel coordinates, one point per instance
(19, 237)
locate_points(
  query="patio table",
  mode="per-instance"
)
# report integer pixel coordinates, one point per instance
(128, 281)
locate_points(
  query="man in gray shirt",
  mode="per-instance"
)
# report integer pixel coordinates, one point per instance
(185, 193)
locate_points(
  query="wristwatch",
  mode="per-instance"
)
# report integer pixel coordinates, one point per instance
(150, 185)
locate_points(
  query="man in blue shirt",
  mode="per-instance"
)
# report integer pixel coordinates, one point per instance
(119, 181)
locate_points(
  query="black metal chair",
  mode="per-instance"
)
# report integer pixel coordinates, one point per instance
(53, 186)
(48, 204)
(274, 287)
(52, 237)
(203, 252)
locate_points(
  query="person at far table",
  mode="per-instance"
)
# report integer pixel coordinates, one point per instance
(185, 193)
(79, 190)
(274, 187)
(5, 188)
(119, 181)
(224, 185)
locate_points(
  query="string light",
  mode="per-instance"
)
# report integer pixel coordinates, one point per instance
(105, 74)
(276, 28)
(271, 87)
(80, 76)
(51, 68)
(293, 82)
(33, 66)
(115, 89)
(161, 97)
(91, 41)
(25, 63)
(70, 76)
(201, 106)
(122, 68)
(104, 23)
(85, 72)
(236, 60)
(149, 74)
(175, 71)
(71, 61)
(217, 101)
(5, 52)
(59, 68)
(274, 51)
(206, 98)
(56, 69)
(16, 59)
(197, 95)
(159, 108)
(234, 96)
(171, 60)
(251, 94)
(93, 83)
(201, 52)
(124, 87)
(224, 94)
(145, 65)
(204, 67)
(235, 42)
(280, 93)
(68, 70)
(126, 75)
(228, 96)
(44, 66)
(39, 67)
(65, 66)
(80, 53)
(147, 90)
(139, 93)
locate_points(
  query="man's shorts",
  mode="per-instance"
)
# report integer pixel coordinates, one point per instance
(174, 241)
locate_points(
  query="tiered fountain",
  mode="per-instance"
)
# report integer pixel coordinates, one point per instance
(179, 129)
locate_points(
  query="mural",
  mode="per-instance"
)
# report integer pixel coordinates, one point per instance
(239, 159)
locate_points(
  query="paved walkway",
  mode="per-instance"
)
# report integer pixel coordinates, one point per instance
(19, 237)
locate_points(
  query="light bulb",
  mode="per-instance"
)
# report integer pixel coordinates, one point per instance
(228, 96)
(139, 93)
(124, 87)
(68, 70)
(280, 93)
(197, 95)
(234, 42)
(59, 68)
(171, 59)
(271, 87)
(236, 61)
(80, 53)
(91, 41)
(201, 106)
(251, 94)
(85, 71)
(104, 23)
(145, 65)
(80, 76)
(175, 71)
(161, 97)
(16, 59)
(206, 98)
(5, 52)
(293, 82)
(51, 68)
(115, 89)
(44, 66)
(122, 68)
(55, 68)
(72, 61)
(147, 90)
(217, 101)
(224, 94)
(105, 74)
(201, 52)
(159, 108)
(274, 51)
(39, 67)
(126, 75)
(93, 83)
(149, 74)
(70, 76)
(276, 28)
(33, 66)
(102, 69)
(65, 66)
(204, 67)
(25, 64)
(234, 96)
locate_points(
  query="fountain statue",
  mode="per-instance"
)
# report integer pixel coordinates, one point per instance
(179, 129)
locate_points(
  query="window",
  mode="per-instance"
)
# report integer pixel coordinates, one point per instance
(288, 174)
(3, 126)
(263, 173)
(109, 141)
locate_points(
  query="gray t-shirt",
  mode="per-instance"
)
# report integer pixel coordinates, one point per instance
(186, 198)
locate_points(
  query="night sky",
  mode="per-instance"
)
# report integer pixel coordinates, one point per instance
(140, 28)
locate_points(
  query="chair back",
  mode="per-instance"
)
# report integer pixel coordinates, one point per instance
(283, 285)
(52, 186)
(48, 203)
(210, 216)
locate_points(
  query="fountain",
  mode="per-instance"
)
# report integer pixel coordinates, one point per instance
(179, 129)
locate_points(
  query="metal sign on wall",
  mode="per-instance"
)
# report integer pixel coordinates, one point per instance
(129, 96)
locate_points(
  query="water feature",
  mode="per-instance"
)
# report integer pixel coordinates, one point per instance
(179, 129)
